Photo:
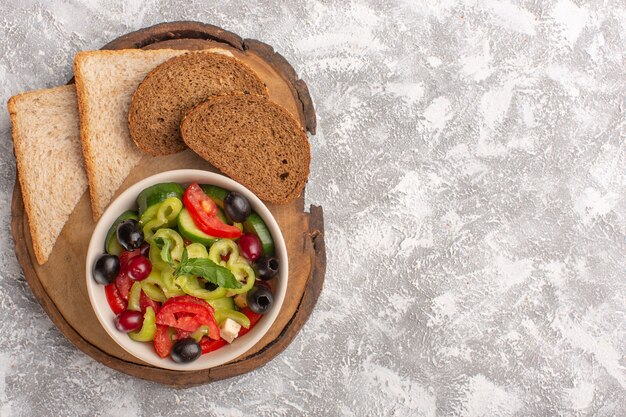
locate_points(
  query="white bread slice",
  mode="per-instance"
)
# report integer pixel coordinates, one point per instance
(105, 84)
(49, 161)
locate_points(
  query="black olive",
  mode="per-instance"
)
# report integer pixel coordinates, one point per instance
(186, 350)
(130, 234)
(237, 207)
(260, 300)
(106, 269)
(266, 267)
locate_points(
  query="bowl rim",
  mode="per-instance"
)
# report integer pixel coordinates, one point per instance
(97, 295)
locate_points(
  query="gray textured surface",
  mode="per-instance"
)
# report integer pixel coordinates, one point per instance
(471, 164)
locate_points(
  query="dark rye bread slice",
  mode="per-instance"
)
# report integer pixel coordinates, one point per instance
(176, 86)
(252, 140)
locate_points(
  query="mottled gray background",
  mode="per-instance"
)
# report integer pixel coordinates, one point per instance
(470, 160)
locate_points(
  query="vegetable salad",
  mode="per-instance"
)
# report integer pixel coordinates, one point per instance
(189, 271)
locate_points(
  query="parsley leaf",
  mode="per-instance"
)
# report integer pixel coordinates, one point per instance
(208, 270)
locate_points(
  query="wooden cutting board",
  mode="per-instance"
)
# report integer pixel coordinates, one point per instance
(60, 287)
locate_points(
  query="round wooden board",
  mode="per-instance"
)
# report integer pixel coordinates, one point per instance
(59, 285)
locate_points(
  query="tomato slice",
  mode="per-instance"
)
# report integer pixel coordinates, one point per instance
(254, 319)
(188, 299)
(189, 319)
(123, 283)
(145, 302)
(198, 315)
(162, 342)
(203, 211)
(181, 334)
(214, 329)
(114, 298)
(209, 345)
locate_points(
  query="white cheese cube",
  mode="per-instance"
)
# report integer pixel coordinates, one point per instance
(229, 330)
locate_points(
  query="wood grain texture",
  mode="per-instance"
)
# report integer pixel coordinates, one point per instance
(60, 287)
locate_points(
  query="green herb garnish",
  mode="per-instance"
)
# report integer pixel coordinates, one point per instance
(208, 270)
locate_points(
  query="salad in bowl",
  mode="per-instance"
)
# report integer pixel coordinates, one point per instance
(187, 269)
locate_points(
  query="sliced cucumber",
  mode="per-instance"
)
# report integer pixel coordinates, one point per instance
(216, 193)
(111, 245)
(223, 303)
(255, 224)
(190, 231)
(157, 193)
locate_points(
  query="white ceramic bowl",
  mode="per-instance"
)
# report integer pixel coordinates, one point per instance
(145, 351)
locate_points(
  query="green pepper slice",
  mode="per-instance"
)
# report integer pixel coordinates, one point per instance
(170, 244)
(152, 286)
(198, 334)
(133, 296)
(158, 264)
(242, 271)
(165, 215)
(148, 329)
(224, 247)
(169, 287)
(223, 314)
(191, 285)
(149, 214)
(197, 250)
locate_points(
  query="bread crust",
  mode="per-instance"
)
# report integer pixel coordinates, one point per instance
(34, 228)
(81, 97)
